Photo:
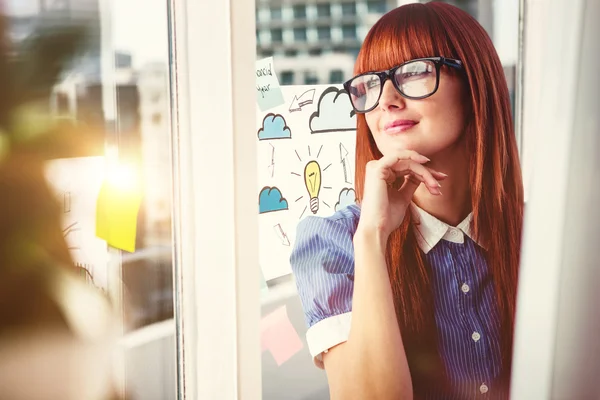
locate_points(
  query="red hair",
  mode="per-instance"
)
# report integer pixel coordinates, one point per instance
(438, 29)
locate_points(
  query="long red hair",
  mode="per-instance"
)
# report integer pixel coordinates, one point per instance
(438, 29)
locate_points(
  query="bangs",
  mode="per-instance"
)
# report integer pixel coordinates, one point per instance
(405, 33)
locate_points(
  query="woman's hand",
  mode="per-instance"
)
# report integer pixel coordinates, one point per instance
(390, 183)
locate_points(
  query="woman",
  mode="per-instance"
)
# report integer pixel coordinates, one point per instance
(412, 293)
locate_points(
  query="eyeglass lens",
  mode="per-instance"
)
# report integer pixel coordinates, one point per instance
(414, 79)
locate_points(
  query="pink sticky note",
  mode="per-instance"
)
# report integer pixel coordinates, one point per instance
(277, 334)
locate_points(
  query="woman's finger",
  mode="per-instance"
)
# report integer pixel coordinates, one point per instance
(410, 186)
(405, 167)
(412, 155)
(389, 160)
(438, 175)
(400, 183)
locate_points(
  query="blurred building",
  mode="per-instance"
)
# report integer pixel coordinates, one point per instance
(316, 42)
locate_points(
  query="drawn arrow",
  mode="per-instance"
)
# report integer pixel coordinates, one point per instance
(345, 163)
(282, 235)
(67, 202)
(71, 228)
(305, 99)
(74, 227)
(272, 165)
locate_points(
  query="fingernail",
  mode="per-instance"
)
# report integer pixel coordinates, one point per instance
(439, 185)
(441, 173)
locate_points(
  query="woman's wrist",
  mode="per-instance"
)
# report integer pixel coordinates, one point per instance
(371, 237)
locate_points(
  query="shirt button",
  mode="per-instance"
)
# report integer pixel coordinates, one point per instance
(483, 388)
(475, 336)
(465, 288)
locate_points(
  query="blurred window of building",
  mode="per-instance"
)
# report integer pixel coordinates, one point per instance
(324, 10)
(349, 31)
(349, 8)
(336, 76)
(287, 77)
(311, 77)
(299, 11)
(377, 6)
(276, 35)
(324, 33)
(300, 34)
(275, 12)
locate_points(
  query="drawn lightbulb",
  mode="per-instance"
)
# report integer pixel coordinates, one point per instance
(312, 179)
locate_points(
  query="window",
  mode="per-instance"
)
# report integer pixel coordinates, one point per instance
(469, 6)
(300, 34)
(314, 52)
(123, 60)
(349, 31)
(257, 37)
(354, 51)
(377, 6)
(146, 283)
(300, 11)
(348, 8)
(310, 77)
(287, 77)
(323, 10)
(336, 76)
(324, 33)
(290, 53)
(276, 35)
(275, 12)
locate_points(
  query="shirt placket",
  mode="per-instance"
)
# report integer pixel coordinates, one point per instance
(470, 302)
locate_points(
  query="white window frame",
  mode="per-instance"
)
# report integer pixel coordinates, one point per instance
(215, 209)
(557, 144)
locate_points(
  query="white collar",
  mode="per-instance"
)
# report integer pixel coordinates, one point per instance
(429, 230)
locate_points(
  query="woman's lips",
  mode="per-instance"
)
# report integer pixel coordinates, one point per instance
(399, 125)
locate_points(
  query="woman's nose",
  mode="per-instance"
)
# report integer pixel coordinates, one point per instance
(390, 98)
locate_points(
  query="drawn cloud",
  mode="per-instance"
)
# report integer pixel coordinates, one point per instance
(270, 200)
(274, 127)
(334, 112)
(347, 197)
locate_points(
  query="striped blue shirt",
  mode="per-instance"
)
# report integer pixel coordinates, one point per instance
(466, 317)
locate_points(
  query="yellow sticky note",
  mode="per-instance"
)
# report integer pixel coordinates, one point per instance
(116, 215)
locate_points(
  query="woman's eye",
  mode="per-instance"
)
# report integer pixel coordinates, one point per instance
(372, 83)
(408, 75)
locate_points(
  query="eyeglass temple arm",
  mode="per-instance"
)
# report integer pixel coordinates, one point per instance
(452, 63)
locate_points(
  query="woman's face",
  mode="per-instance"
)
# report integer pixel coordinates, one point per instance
(428, 126)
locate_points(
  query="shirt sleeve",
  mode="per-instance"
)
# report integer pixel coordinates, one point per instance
(322, 261)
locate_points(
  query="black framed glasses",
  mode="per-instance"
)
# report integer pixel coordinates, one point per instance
(415, 79)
